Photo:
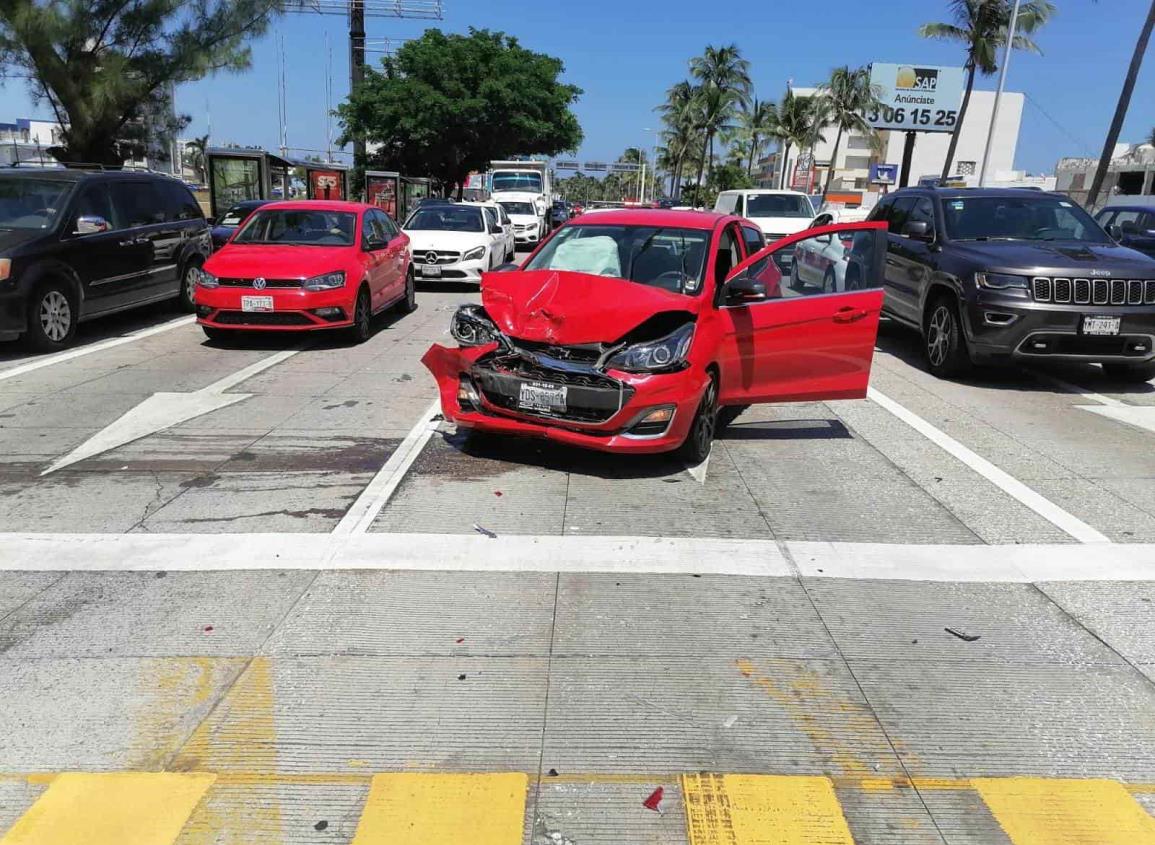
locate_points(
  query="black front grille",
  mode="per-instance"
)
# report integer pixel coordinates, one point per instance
(1064, 291)
(439, 256)
(590, 398)
(262, 318)
(269, 283)
(588, 353)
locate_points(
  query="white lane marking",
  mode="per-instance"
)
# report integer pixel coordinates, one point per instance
(1010, 485)
(1138, 416)
(445, 552)
(80, 352)
(1025, 563)
(164, 410)
(378, 492)
(1067, 387)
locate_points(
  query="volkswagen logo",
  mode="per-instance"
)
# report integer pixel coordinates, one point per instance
(259, 283)
(431, 258)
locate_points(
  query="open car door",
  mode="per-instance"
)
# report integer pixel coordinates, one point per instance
(801, 317)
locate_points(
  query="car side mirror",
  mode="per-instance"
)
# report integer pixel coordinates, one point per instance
(91, 224)
(505, 268)
(824, 239)
(500, 230)
(745, 288)
(919, 230)
(373, 246)
(212, 221)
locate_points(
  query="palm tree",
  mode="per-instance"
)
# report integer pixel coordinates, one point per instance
(196, 149)
(981, 25)
(797, 123)
(755, 126)
(724, 86)
(845, 98)
(1121, 108)
(680, 114)
(1151, 137)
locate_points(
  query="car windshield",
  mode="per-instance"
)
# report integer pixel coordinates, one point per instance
(303, 227)
(672, 259)
(30, 203)
(1019, 218)
(235, 215)
(446, 218)
(778, 205)
(518, 208)
(506, 180)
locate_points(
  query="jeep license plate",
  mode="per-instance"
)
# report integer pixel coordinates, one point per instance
(539, 396)
(1101, 325)
(256, 303)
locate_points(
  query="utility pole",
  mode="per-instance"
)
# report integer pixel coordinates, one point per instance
(999, 93)
(357, 68)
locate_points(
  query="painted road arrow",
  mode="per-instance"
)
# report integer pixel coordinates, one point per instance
(164, 410)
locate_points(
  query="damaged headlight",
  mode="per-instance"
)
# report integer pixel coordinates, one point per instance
(471, 326)
(655, 356)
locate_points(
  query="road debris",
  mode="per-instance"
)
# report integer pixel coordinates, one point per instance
(459, 640)
(491, 535)
(321, 825)
(208, 629)
(730, 722)
(552, 773)
(461, 677)
(966, 638)
(655, 799)
(556, 838)
(498, 493)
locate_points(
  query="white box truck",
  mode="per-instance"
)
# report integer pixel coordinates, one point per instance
(523, 190)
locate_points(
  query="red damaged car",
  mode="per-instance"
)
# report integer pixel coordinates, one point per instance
(307, 265)
(627, 330)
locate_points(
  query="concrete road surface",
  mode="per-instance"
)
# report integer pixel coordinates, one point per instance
(244, 598)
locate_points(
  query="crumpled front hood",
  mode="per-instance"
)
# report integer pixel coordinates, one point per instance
(565, 307)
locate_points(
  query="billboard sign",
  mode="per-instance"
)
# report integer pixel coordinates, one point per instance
(883, 174)
(596, 166)
(624, 167)
(566, 165)
(326, 184)
(381, 190)
(916, 98)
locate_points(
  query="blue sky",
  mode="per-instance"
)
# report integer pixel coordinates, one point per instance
(624, 55)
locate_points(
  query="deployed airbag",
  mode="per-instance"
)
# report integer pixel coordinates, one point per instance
(597, 255)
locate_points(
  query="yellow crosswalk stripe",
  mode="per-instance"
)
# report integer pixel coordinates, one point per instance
(1049, 811)
(112, 808)
(763, 810)
(430, 809)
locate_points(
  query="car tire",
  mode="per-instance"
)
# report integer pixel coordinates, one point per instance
(1133, 373)
(408, 303)
(944, 345)
(362, 328)
(52, 316)
(829, 281)
(700, 438)
(795, 279)
(850, 279)
(186, 297)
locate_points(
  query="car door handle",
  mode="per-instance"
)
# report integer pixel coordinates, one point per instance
(848, 315)
(134, 241)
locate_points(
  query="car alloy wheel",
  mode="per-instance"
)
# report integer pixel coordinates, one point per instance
(188, 290)
(409, 300)
(362, 318)
(938, 335)
(55, 316)
(829, 282)
(701, 437)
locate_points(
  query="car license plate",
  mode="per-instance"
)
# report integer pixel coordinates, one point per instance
(539, 396)
(431, 271)
(1101, 325)
(256, 303)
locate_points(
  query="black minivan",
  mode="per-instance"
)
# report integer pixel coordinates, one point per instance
(79, 244)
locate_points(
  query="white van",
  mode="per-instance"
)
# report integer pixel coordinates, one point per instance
(777, 213)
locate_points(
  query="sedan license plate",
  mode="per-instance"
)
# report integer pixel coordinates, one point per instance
(431, 271)
(539, 396)
(256, 303)
(1101, 325)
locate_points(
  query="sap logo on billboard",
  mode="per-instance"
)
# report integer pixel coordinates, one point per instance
(916, 79)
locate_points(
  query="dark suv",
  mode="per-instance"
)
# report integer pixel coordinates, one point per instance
(1131, 225)
(79, 244)
(994, 275)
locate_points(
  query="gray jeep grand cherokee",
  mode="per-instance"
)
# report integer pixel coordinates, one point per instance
(991, 275)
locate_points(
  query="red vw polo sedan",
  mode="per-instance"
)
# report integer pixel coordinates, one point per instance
(302, 266)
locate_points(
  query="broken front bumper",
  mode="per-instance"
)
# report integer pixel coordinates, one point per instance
(474, 394)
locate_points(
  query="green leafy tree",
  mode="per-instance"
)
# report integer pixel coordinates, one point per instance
(724, 86)
(845, 98)
(680, 114)
(446, 104)
(755, 128)
(981, 26)
(100, 63)
(797, 124)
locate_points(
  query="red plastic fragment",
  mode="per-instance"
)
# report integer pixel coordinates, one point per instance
(208, 629)
(654, 800)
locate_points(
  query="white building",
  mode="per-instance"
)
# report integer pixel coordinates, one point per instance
(1130, 173)
(852, 167)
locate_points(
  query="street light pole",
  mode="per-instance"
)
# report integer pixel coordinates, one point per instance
(999, 93)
